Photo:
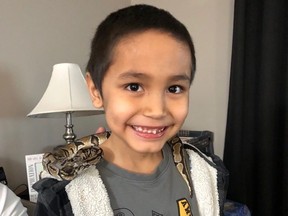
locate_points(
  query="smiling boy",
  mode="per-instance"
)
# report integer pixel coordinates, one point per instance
(141, 66)
(145, 95)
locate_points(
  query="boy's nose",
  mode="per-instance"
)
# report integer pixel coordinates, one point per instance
(155, 106)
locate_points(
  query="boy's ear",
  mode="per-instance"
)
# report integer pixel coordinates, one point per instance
(94, 92)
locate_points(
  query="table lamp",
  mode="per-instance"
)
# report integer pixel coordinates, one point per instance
(66, 95)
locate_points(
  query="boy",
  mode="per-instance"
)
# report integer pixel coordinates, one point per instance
(141, 66)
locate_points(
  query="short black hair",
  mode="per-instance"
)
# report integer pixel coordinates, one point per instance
(126, 21)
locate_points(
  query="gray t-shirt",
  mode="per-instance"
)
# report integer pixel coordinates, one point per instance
(162, 193)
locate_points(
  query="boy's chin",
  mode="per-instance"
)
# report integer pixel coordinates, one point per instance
(148, 147)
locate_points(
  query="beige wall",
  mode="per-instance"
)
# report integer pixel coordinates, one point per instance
(210, 25)
(36, 34)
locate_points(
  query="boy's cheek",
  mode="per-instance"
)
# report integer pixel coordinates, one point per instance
(183, 114)
(116, 109)
(180, 108)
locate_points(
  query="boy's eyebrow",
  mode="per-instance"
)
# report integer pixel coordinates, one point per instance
(134, 74)
(180, 77)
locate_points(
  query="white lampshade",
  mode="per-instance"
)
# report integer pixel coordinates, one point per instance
(66, 92)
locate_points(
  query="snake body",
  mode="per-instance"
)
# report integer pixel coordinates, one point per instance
(68, 161)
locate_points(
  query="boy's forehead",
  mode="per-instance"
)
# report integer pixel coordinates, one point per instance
(146, 38)
(141, 33)
(151, 52)
(148, 43)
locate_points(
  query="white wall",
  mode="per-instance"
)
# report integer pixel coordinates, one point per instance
(36, 34)
(210, 24)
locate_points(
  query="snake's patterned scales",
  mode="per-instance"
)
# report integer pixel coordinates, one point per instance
(68, 161)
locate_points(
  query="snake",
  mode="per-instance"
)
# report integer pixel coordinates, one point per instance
(67, 161)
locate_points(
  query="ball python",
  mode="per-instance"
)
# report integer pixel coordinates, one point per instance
(67, 161)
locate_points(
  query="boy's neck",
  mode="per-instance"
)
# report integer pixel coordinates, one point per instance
(131, 161)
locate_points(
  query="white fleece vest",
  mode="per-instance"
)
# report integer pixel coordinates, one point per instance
(94, 200)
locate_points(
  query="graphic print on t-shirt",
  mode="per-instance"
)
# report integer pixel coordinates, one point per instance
(156, 214)
(184, 208)
(123, 211)
(127, 212)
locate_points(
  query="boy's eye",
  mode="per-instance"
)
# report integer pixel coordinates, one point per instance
(134, 87)
(175, 89)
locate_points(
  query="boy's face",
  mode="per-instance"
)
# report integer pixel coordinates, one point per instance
(145, 91)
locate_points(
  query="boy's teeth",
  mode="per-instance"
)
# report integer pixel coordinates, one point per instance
(149, 131)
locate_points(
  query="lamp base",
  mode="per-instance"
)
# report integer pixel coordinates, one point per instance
(69, 135)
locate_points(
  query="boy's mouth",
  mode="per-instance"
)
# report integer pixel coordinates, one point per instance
(148, 130)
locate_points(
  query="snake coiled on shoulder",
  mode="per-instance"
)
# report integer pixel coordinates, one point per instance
(67, 161)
